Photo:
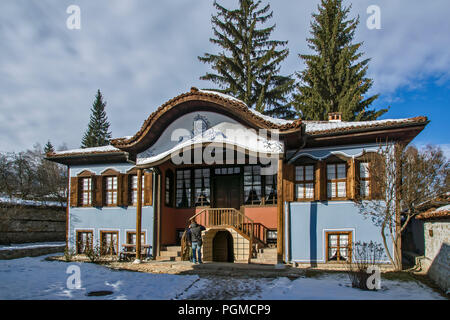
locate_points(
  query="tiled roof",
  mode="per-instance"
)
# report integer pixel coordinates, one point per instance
(433, 213)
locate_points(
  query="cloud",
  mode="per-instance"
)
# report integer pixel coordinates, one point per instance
(141, 54)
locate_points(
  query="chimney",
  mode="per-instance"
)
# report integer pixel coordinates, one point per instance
(335, 117)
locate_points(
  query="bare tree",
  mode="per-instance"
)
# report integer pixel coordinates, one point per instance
(404, 177)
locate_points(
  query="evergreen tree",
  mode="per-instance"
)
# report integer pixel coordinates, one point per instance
(97, 133)
(48, 147)
(335, 78)
(248, 66)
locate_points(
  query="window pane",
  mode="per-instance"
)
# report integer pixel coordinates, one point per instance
(309, 173)
(364, 188)
(300, 189)
(331, 171)
(341, 189)
(341, 172)
(309, 190)
(299, 173)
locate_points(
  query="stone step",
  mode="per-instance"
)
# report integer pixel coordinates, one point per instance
(169, 258)
(171, 248)
(170, 253)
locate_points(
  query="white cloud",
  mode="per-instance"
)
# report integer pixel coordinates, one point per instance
(142, 53)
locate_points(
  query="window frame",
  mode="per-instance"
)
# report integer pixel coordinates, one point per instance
(168, 188)
(349, 247)
(106, 191)
(366, 179)
(336, 181)
(304, 182)
(130, 233)
(102, 233)
(134, 190)
(77, 237)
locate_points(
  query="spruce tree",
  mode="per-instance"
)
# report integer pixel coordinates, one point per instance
(48, 147)
(97, 133)
(334, 79)
(248, 65)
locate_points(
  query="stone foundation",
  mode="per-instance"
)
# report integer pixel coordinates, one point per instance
(240, 245)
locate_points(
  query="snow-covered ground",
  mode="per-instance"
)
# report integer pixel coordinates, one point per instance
(32, 245)
(36, 278)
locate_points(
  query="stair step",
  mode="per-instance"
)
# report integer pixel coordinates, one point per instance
(171, 248)
(169, 258)
(170, 253)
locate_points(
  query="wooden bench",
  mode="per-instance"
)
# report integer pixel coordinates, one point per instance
(129, 251)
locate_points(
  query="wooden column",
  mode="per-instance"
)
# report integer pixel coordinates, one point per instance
(280, 215)
(158, 198)
(139, 214)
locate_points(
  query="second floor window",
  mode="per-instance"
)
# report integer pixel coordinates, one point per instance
(202, 188)
(304, 182)
(111, 191)
(336, 180)
(134, 188)
(86, 191)
(364, 180)
(252, 185)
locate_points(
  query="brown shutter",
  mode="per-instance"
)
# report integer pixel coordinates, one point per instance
(148, 190)
(98, 194)
(357, 180)
(288, 182)
(317, 181)
(119, 189)
(125, 185)
(351, 179)
(74, 192)
(323, 181)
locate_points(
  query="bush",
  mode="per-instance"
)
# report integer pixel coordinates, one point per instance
(68, 253)
(93, 253)
(364, 255)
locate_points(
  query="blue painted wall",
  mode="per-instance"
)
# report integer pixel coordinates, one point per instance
(309, 221)
(120, 219)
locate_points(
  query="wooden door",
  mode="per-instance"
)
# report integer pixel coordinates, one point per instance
(227, 192)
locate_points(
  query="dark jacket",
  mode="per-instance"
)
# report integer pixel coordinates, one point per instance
(195, 232)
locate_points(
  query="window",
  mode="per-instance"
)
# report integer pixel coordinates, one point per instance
(202, 187)
(225, 171)
(270, 189)
(84, 241)
(111, 191)
(336, 180)
(183, 195)
(86, 191)
(271, 236)
(339, 246)
(109, 242)
(134, 188)
(364, 180)
(252, 185)
(304, 182)
(168, 188)
(131, 237)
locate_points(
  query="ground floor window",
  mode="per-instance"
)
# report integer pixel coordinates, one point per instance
(84, 241)
(339, 245)
(109, 242)
(131, 237)
(271, 236)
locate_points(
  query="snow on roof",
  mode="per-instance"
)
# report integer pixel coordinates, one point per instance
(259, 114)
(102, 149)
(34, 203)
(441, 212)
(323, 126)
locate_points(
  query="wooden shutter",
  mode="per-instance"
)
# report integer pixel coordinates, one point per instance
(351, 179)
(357, 180)
(288, 182)
(124, 192)
(148, 188)
(322, 181)
(317, 181)
(98, 193)
(74, 192)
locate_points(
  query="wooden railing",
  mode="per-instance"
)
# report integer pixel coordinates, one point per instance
(225, 217)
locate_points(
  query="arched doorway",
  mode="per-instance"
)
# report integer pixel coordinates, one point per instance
(223, 247)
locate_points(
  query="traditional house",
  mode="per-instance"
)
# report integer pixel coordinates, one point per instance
(255, 182)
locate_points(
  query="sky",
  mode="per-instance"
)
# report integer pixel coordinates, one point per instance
(142, 53)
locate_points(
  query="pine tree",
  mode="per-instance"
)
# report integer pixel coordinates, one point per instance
(335, 78)
(97, 133)
(248, 66)
(48, 147)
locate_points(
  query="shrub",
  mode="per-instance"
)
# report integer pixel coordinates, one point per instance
(364, 255)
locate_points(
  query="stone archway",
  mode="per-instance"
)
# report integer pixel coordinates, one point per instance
(223, 247)
(239, 247)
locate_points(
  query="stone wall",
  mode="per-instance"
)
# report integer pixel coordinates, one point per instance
(437, 252)
(22, 224)
(240, 245)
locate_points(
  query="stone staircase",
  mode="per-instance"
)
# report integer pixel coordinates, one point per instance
(170, 253)
(265, 256)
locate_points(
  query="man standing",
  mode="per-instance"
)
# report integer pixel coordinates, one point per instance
(195, 233)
